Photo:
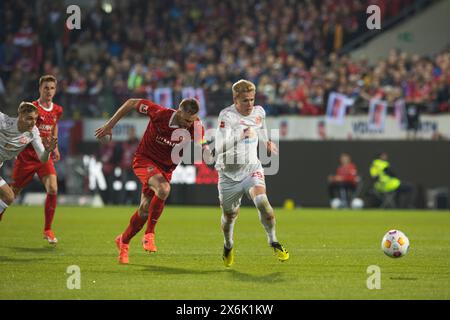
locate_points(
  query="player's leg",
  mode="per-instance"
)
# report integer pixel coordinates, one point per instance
(161, 187)
(22, 174)
(50, 182)
(228, 220)
(257, 193)
(6, 197)
(230, 195)
(138, 219)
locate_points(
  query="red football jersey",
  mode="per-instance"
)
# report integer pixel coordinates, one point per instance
(159, 138)
(47, 120)
(348, 173)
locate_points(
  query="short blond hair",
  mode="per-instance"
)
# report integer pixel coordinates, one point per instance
(242, 86)
(47, 78)
(27, 107)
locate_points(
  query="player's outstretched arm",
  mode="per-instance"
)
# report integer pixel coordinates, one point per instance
(106, 129)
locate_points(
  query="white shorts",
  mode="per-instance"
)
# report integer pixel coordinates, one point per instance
(231, 192)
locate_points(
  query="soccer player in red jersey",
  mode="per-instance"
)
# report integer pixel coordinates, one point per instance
(167, 132)
(27, 163)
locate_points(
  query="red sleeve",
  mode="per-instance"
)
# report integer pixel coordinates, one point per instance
(148, 107)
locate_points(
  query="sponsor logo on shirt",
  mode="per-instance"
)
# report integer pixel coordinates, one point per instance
(164, 141)
(46, 127)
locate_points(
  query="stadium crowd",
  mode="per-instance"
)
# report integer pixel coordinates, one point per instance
(290, 52)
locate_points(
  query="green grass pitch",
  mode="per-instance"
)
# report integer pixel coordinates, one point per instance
(330, 253)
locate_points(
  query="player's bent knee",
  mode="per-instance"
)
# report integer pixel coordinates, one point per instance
(263, 205)
(16, 191)
(163, 190)
(230, 216)
(52, 191)
(8, 198)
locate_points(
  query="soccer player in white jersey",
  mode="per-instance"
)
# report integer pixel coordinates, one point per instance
(15, 135)
(240, 170)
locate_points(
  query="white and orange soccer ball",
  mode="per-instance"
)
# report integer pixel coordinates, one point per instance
(395, 244)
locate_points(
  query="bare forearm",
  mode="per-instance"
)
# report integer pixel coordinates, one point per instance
(129, 105)
(55, 131)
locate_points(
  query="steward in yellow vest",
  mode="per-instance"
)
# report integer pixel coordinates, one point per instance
(385, 179)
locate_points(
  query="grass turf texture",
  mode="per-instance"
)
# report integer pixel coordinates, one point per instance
(330, 253)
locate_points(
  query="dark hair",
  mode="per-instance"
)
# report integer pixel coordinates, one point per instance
(190, 105)
(47, 78)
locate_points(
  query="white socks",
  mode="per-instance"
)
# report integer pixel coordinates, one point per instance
(228, 228)
(266, 216)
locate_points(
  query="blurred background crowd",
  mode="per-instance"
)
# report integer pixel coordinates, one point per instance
(292, 50)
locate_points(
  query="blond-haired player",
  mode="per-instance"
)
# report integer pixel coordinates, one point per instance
(15, 135)
(240, 170)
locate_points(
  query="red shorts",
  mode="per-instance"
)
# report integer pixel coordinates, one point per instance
(24, 171)
(144, 169)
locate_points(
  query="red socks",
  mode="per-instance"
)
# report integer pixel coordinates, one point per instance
(50, 206)
(154, 212)
(136, 224)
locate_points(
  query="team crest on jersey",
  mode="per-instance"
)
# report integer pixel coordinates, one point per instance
(258, 120)
(143, 108)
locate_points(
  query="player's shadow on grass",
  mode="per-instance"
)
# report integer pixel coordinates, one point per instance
(33, 250)
(175, 271)
(275, 277)
(18, 260)
(268, 278)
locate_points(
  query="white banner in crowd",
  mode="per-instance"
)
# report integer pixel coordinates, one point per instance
(337, 107)
(400, 112)
(377, 114)
(163, 97)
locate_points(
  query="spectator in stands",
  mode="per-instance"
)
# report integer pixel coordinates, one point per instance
(343, 184)
(296, 46)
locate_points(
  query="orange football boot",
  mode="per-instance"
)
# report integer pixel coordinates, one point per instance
(49, 235)
(148, 242)
(123, 250)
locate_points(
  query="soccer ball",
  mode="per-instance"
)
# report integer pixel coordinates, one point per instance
(357, 203)
(336, 203)
(395, 244)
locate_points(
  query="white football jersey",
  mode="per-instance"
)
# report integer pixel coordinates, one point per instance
(237, 158)
(12, 141)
